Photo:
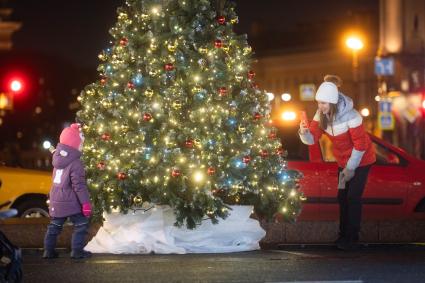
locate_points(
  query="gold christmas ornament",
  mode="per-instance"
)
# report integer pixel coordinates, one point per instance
(153, 73)
(235, 20)
(197, 142)
(226, 48)
(239, 78)
(172, 47)
(153, 45)
(149, 92)
(177, 104)
(137, 200)
(203, 50)
(196, 89)
(242, 129)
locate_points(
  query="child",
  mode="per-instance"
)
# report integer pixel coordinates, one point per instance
(69, 197)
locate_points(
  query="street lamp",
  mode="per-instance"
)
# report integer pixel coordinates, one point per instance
(355, 44)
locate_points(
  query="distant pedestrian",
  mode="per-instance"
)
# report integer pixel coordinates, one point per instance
(69, 197)
(352, 149)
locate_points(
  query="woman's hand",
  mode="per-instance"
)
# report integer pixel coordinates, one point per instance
(303, 127)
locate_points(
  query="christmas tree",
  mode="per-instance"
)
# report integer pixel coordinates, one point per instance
(176, 118)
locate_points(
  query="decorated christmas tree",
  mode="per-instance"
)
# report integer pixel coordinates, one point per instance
(176, 118)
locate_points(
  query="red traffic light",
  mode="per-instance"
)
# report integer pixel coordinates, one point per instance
(15, 85)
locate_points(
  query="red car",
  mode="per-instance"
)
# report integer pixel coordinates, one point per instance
(395, 187)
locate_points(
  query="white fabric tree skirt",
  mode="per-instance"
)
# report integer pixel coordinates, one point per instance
(153, 231)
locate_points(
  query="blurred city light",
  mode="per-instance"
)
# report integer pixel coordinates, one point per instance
(289, 116)
(286, 97)
(365, 112)
(377, 98)
(354, 43)
(16, 85)
(47, 144)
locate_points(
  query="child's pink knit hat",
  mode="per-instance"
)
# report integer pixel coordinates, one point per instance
(72, 136)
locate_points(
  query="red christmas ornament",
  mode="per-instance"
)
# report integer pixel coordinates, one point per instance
(147, 117)
(103, 80)
(246, 159)
(222, 91)
(106, 136)
(257, 116)
(251, 75)
(124, 41)
(221, 20)
(280, 151)
(175, 173)
(189, 143)
(272, 135)
(121, 176)
(101, 165)
(218, 43)
(130, 85)
(264, 153)
(169, 67)
(211, 171)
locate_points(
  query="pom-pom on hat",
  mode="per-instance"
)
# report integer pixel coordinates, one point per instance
(72, 136)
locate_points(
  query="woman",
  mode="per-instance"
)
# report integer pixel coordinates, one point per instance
(352, 148)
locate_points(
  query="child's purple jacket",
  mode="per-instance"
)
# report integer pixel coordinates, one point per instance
(69, 190)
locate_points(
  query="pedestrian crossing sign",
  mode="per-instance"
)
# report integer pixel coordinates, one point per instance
(386, 121)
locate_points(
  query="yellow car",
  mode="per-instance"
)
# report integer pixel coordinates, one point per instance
(25, 190)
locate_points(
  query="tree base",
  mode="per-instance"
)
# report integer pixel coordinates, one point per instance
(153, 231)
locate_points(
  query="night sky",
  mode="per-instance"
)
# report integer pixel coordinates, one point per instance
(77, 30)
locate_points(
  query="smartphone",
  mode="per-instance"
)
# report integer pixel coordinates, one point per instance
(303, 117)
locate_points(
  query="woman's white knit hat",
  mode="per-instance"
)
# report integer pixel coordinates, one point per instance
(327, 92)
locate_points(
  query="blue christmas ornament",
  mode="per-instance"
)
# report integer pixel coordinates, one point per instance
(231, 122)
(283, 176)
(200, 96)
(109, 70)
(239, 164)
(138, 79)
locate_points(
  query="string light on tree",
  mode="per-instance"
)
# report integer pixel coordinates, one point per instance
(182, 127)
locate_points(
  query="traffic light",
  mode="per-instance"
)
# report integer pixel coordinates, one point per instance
(16, 85)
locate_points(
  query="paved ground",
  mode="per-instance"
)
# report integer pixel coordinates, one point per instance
(312, 264)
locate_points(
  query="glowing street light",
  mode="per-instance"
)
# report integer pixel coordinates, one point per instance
(286, 97)
(354, 43)
(289, 116)
(365, 112)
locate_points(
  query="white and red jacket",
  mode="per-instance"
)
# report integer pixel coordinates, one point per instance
(351, 145)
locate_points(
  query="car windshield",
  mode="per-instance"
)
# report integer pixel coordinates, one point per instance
(292, 143)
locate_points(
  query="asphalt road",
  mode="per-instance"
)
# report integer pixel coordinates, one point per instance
(315, 264)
